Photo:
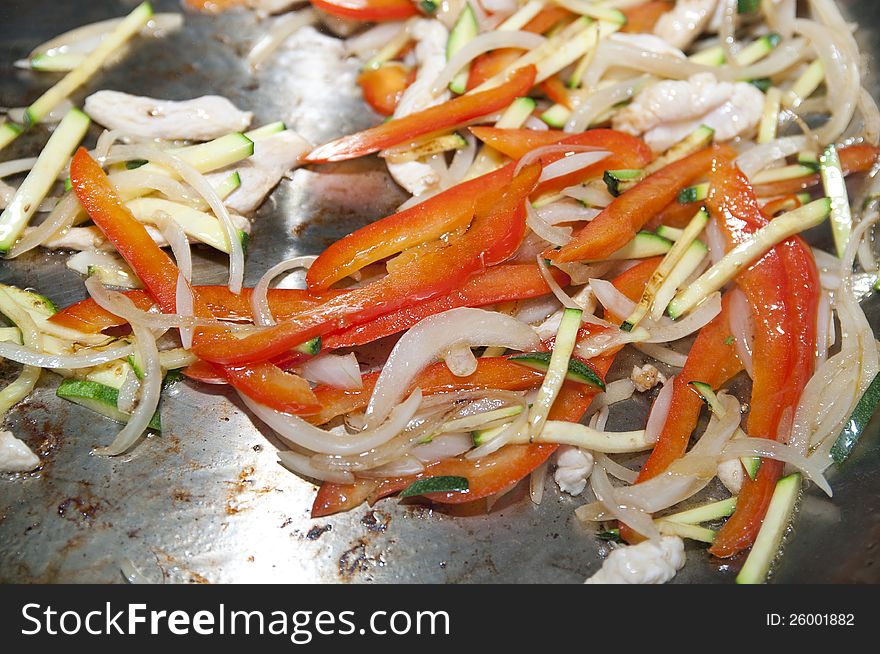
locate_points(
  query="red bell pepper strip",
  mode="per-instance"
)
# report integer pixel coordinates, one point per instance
(554, 89)
(547, 18)
(782, 289)
(641, 19)
(500, 283)
(853, 159)
(426, 221)
(374, 11)
(264, 383)
(676, 214)
(495, 233)
(712, 359)
(499, 471)
(489, 64)
(785, 203)
(443, 116)
(87, 316)
(383, 86)
(619, 222)
(516, 143)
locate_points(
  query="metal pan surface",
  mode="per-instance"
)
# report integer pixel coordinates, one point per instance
(206, 501)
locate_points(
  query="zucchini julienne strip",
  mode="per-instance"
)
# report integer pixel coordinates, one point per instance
(682, 271)
(131, 25)
(8, 133)
(775, 524)
(100, 399)
(704, 513)
(834, 182)
(557, 369)
(199, 225)
(805, 85)
(770, 116)
(42, 176)
(489, 159)
(682, 530)
(730, 265)
(464, 31)
(857, 422)
(673, 257)
(578, 371)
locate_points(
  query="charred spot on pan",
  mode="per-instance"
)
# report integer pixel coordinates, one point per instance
(357, 560)
(79, 508)
(317, 531)
(376, 521)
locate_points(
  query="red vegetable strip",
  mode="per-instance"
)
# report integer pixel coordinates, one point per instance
(494, 235)
(853, 159)
(87, 316)
(497, 284)
(368, 10)
(447, 115)
(782, 289)
(426, 221)
(641, 19)
(619, 222)
(712, 359)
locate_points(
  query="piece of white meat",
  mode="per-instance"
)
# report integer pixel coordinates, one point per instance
(681, 26)
(15, 455)
(646, 377)
(273, 158)
(199, 119)
(649, 562)
(573, 467)
(668, 111)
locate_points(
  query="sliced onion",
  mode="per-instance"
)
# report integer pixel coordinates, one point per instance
(662, 354)
(536, 124)
(618, 471)
(766, 448)
(666, 330)
(482, 44)
(565, 211)
(426, 342)
(60, 218)
(595, 103)
(616, 391)
(742, 327)
(338, 371)
(367, 43)
(127, 398)
(567, 151)
(660, 411)
(302, 465)
(87, 359)
(629, 515)
(111, 264)
(403, 467)
(259, 297)
(297, 431)
(444, 446)
(824, 328)
(592, 195)
(536, 483)
(85, 38)
(282, 28)
(553, 235)
(184, 305)
(571, 163)
(759, 157)
(611, 339)
(150, 391)
(462, 160)
(563, 297)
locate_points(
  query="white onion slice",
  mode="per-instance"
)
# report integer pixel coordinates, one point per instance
(563, 297)
(479, 45)
(763, 447)
(127, 398)
(627, 514)
(338, 371)
(282, 28)
(426, 342)
(444, 446)
(87, 359)
(550, 233)
(592, 195)
(743, 328)
(259, 297)
(302, 465)
(297, 431)
(567, 151)
(660, 411)
(662, 354)
(572, 163)
(367, 43)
